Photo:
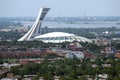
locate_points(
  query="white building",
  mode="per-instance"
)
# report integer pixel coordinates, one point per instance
(75, 54)
(9, 79)
(59, 37)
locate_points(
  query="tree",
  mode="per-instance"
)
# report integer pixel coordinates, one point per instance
(15, 70)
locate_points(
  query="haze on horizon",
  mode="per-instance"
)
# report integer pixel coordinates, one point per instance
(59, 8)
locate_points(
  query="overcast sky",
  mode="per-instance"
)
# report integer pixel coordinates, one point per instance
(61, 8)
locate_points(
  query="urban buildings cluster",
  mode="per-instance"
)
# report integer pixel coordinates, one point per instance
(64, 54)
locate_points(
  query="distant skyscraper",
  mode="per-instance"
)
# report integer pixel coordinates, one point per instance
(36, 28)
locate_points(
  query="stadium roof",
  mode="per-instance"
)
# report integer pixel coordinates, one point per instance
(59, 37)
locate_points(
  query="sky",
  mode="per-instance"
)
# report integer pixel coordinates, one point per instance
(60, 8)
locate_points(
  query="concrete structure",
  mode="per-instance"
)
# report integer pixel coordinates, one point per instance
(59, 37)
(36, 28)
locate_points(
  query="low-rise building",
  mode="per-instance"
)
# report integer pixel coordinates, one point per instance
(108, 50)
(75, 54)
(117, 55)
(69, 55)
(88, 54)
(94, 65)
(9, 79)
(25, 61)
(5, 30)
(101, 41)
(106, 65)
(7, 65)
(103, 76)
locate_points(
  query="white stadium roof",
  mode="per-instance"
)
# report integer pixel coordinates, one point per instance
(59, 37)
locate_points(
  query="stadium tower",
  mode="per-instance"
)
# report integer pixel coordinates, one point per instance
(36, 28)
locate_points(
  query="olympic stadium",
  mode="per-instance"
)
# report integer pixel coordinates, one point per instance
(54, 37)
(59, 37)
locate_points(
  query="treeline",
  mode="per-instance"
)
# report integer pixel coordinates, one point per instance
(39, 44)
(5, 23)
(11, 35)
(70, 69)
(85, 32)
(27, 44)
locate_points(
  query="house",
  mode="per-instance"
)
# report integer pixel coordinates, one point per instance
(117, 55)
(25, 61)
(94, 65)
(108, 50)
(29, 77)
(103, 76)
(101, 41)
(106, 65)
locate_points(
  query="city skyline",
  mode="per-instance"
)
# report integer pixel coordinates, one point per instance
(61, 8)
